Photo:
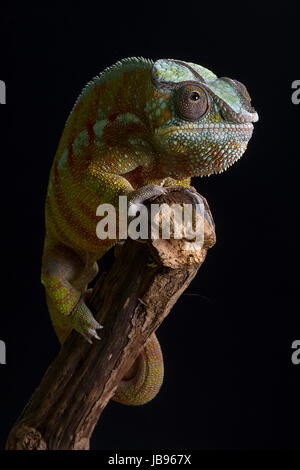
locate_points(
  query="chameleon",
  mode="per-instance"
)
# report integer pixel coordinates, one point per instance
(136, 128)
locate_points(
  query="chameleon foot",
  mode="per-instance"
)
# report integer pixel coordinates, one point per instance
(138, 197)
(198, 202)
(83, 320)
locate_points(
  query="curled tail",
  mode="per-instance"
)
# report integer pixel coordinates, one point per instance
(147, 376)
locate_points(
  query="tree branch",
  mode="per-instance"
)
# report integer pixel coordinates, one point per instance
(131, 301)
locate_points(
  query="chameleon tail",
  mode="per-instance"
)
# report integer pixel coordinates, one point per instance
(146, 382)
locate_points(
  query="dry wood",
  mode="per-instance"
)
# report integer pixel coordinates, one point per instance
(131, 301)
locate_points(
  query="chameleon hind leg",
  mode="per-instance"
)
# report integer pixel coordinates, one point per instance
(65, 276)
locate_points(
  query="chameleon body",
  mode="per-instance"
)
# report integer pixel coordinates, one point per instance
(137, 127)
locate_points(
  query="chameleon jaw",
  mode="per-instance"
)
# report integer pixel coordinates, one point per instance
(194, 128)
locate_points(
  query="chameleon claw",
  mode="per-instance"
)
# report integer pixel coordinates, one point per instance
(199, 206)
(89, 335)
(92, 333)
(137, 198)
(196, 200)
(141, 195)
(87, 338)
(84, 322)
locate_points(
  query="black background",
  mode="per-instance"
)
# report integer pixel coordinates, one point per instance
(230, 382)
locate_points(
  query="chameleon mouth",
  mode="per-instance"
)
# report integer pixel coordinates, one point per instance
(218, 127)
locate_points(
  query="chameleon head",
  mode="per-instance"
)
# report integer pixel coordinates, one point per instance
(201, 123)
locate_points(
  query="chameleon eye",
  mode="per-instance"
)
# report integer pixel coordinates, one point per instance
(191, 102)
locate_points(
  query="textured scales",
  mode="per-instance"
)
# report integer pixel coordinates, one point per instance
(137, 123)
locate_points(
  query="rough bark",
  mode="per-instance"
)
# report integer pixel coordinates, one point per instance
(131, 301)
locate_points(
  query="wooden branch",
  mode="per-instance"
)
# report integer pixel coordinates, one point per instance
(131, 301)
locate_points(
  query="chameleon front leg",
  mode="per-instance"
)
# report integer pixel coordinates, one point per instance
(65, 277)
(108, 184)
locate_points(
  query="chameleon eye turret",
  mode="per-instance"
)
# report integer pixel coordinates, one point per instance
(239, 86)
(192, 102)
(243, 90)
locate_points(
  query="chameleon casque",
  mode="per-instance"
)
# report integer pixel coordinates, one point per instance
(137, 127)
